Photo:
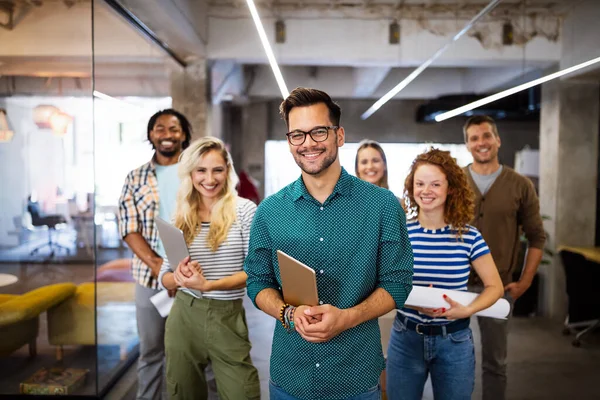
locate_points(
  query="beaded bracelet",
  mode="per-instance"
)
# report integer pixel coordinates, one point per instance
(289, 318)
(292, 318)
(282, 315)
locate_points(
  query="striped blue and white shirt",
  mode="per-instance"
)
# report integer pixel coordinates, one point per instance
(442, 260)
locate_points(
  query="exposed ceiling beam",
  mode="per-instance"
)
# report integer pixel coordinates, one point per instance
(227, 80)
(368, 79)
(181, 25)
(362, 9)
(144, 29)
(413, 75)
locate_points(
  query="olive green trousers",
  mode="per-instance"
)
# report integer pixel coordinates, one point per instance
(200, 331)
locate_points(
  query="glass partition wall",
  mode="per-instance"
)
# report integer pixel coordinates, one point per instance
(47, 245)
(131, 83)
(77, 87)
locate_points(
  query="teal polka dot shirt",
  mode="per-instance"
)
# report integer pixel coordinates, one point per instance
(356, 241)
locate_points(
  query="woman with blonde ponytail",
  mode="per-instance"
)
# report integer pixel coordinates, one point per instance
(207, 323)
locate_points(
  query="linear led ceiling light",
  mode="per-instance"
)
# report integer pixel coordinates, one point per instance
(508, 92)
(268, 50)
(104, 96)
(389, 95)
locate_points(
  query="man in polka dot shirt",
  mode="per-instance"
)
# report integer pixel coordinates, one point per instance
(353, 234)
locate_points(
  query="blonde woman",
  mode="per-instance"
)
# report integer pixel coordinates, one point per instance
(207, 322)
(370, 163)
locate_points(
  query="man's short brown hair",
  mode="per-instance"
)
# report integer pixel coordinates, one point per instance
(303, 97)
(478, 120)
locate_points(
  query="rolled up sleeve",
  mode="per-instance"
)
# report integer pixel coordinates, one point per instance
(259, 264)
(164, 268)
(395, 255)
(530, 218)
(129, 220)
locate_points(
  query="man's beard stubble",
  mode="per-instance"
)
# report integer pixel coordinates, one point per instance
(169, 153)
(326, 163)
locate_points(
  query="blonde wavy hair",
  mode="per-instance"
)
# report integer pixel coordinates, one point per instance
(187, 212)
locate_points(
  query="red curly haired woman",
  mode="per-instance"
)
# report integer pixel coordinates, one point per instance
(439, 342)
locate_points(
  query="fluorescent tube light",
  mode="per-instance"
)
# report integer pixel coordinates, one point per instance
(265, 42)
(389, 95)
(106, 97)
(508, 92)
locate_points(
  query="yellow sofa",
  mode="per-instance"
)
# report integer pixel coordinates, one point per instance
(74, 321)
(19, 315)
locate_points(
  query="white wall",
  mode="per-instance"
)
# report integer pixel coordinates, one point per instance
(281, 169)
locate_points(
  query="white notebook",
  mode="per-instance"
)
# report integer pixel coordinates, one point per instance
(162, 302)
(427, 297)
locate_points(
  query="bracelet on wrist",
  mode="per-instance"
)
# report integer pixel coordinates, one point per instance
(289, 318)
(282, 314)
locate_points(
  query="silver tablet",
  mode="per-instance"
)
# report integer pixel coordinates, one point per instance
(173, 242)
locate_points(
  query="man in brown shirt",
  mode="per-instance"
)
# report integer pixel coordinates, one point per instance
(506, 205)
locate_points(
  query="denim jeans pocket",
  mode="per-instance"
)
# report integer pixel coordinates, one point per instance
(398, 325)
(372, 394)
(461, 336)
(274, 384)
(374, 389)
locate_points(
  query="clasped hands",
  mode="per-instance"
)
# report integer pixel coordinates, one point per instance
(188, 274)
(319, 324)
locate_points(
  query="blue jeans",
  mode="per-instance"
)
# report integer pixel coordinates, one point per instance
(450, 359)
(277, 393)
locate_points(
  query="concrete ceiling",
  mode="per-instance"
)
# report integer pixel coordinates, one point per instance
(341, 45)
(372, 9)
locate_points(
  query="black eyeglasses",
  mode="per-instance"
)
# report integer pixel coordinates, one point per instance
(318, 134)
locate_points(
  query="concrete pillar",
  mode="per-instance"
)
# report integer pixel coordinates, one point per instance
(189, 94)
(568, 177)
(215, 120)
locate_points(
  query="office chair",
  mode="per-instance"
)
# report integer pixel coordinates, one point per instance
(50, 222)
(582, 276)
